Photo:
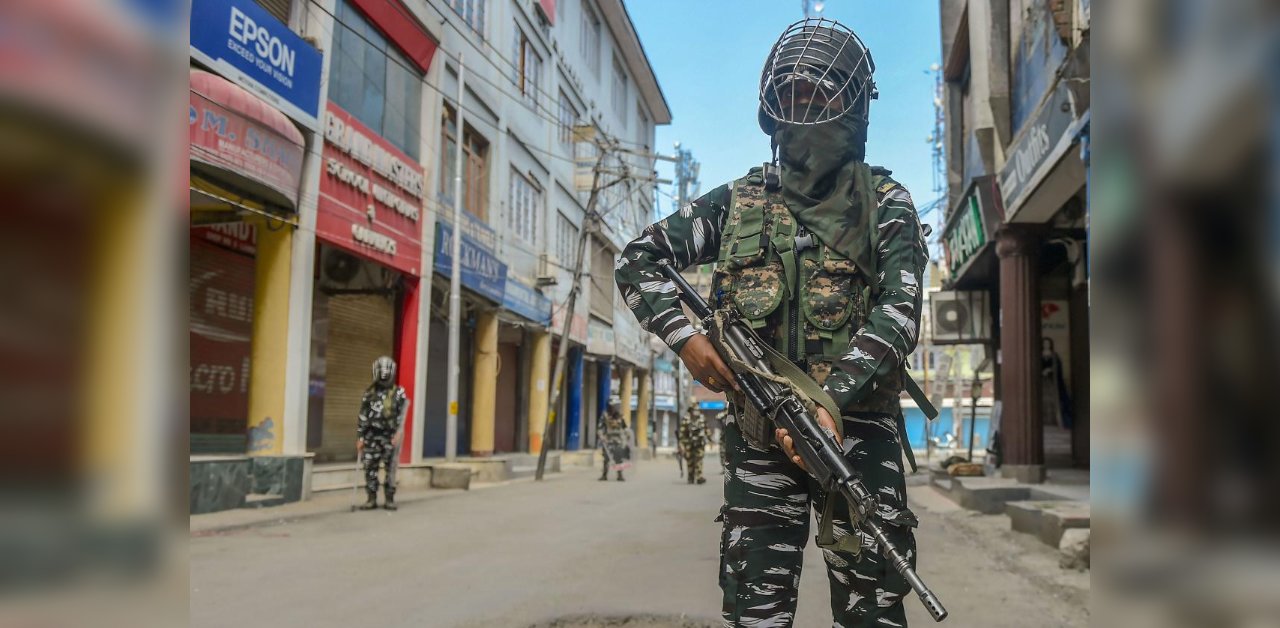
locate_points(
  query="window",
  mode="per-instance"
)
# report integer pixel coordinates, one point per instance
(471, 12)
(619, 90)
(590, 38)
(642, 126)
(475, 172)
(527, 67)
(566, 240)
(374, 82)
(568, 116)
(526, 204)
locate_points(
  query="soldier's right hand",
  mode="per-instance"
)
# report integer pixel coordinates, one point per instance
(359, 445)
(700, 357)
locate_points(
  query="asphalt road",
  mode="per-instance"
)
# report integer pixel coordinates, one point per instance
(643, 553)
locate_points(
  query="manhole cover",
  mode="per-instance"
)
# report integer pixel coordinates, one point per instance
(627, 621)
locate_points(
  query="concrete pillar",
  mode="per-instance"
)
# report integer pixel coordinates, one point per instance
(642, 413)
(1021, 426)
(539, 387)
(270, 352)
(484, 383)
(625, 376)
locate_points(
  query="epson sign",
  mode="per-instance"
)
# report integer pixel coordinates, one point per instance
(259, 45)
(244, 43)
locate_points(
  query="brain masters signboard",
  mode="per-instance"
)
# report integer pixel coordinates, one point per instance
(370, 195)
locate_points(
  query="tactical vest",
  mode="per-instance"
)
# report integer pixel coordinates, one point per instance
(796, 292)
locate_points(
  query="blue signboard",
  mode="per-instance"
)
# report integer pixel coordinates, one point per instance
(481, 271)
(711, 405)
(527, 302)
(241, 41)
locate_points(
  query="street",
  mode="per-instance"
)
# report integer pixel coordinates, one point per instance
(527, 554)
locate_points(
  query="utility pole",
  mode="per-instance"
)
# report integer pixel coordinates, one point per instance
(455, 282)
(589, 225)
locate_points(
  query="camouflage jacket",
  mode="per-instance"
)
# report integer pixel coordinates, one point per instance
(613, 431)
(381, 412)
(883, 337)
(692, 431)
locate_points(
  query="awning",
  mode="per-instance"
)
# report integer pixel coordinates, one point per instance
(243, 143)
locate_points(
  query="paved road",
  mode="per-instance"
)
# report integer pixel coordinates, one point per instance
(526, 553)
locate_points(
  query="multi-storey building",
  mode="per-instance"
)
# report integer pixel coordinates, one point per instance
(346, 253)
(1016, 104)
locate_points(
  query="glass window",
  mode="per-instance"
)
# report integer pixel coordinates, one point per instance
(566, 240)
(374, 82)
(568, 116)
(475, 171)
(589, 41)
(526, 204)
(619, 90)
(471, 12)
(526, 70)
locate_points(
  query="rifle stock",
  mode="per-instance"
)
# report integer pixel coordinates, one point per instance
(821, 454)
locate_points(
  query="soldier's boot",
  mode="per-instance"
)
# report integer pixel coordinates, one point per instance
(372, 503)
(391, 499)
(702, 480)
(620, 478)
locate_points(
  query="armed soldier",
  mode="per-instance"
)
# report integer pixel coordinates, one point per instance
(692, 434)
(822, 255)
(615, 441)
(382, 412)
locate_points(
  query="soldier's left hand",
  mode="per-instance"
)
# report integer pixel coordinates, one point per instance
(788, 445)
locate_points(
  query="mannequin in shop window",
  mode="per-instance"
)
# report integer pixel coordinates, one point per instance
(1055, 398)
(379, 431)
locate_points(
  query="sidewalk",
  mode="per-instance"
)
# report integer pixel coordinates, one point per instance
(214, 523)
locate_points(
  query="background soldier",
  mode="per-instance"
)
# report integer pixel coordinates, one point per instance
(614, 440)
(823, 255)
(382, 412)
(692, 434)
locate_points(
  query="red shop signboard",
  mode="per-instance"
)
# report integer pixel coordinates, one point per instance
(370, 195)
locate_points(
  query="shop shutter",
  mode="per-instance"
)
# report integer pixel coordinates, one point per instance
(278, 8)
(221, 326)
(361, 328)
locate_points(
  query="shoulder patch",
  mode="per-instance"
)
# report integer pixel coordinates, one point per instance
(886, 186)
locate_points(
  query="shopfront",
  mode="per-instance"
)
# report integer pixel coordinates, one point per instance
(484, 279)
(246, 168)
(522, 364)
(366, 296)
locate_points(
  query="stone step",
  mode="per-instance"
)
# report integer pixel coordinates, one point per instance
(258, 500)
(1047, 519)
(524, 471)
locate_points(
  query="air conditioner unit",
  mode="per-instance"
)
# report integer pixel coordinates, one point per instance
(960, 317)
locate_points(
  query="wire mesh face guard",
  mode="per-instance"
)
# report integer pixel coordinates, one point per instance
(384, 368)
(818, 71)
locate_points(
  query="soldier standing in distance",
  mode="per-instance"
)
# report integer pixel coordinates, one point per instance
(382, 412)
(613, 438)
(692, 434)
(823, 255)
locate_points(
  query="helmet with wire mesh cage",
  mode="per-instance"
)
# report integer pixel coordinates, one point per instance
(818, 71)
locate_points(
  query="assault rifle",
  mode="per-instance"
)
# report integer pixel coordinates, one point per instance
(821, 454)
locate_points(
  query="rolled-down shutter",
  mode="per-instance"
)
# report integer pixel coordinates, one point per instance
(361, 328)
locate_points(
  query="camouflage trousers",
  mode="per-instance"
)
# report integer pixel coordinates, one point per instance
(693, 460)
(379, 453)
(767, 500)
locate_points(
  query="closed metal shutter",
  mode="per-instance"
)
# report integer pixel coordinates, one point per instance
(361, 328)
(221, 327)
(278, 8)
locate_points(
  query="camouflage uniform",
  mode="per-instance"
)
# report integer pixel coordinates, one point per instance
(849, 336)
(382, 410)
(692, 434)
(614, 436)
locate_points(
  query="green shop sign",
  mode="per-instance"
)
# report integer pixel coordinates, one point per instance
(970, 226)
